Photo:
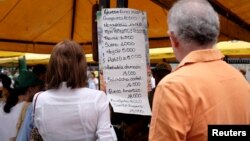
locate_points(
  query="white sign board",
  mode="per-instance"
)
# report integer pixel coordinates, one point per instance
(123, 58)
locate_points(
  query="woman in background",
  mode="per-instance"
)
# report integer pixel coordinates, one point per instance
(68, 110)
(13, 111)
(92, 81)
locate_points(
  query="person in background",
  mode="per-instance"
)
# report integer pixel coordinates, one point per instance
(69, 110)
(92, 81)
(152, 81)
(40, 70)
(130, 127)
(161, 70)
(39, 73)
(14, 109)
(203, 89)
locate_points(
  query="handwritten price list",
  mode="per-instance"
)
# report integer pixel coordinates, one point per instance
(123, 56)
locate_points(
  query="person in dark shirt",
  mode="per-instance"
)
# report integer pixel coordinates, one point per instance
(161, 70)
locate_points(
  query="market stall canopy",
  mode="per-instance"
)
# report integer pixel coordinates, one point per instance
(31, 58)
(7, 54)
(35, 26)
(233, 49)
(230, 49)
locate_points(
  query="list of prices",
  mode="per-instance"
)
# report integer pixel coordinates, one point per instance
(123, 55)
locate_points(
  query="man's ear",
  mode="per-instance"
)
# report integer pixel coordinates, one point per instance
(174, 41)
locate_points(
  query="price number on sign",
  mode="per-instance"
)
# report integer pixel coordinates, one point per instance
(133, 84)
(128, 73)
(127, 43)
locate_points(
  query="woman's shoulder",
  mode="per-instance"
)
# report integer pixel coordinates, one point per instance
(92, 92)
(85, 94)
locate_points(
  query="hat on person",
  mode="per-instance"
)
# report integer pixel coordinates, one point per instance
(27, 79)
(162, 67)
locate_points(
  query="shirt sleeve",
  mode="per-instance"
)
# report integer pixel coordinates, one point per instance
(105, 131)
(170, 117)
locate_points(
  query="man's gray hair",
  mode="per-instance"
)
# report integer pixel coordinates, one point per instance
(194, 21)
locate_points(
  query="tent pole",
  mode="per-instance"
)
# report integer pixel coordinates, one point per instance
(73, 20)
(122, 4)
(104, 4)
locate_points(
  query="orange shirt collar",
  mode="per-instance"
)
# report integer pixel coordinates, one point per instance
(203, 55)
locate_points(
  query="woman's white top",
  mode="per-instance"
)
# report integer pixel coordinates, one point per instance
(67, 114)
(8, 121)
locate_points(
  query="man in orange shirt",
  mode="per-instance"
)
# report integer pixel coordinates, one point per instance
(203, 90)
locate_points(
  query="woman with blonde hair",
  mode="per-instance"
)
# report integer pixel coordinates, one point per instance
(68, 110)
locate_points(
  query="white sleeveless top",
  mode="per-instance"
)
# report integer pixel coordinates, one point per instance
(8, 121)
